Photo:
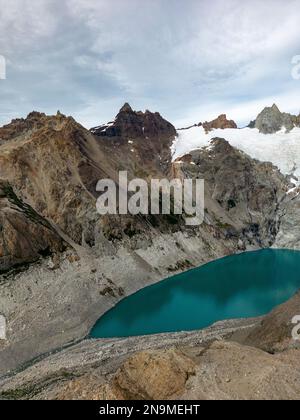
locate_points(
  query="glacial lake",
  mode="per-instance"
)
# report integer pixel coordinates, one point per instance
(239, 286)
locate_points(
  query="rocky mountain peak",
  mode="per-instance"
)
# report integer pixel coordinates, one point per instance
(142, 137)
(275, 108)
(220, 122)
(130, 124)
(271, 120)
(34, 115)
(23, 127)
(126, 108)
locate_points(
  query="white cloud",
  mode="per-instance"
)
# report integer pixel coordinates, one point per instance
(183, 58)
(25, 22)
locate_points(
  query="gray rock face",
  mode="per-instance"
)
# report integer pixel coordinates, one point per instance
(271, 120)
(135, 124)
(24, 235)
(242, 194)
(288, 235)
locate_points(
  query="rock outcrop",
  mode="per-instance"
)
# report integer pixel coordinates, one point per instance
(271, 120)
(220, 122)
(242, 195)
(132, 124)
(21, 126)
(25, 236)
(144, 137)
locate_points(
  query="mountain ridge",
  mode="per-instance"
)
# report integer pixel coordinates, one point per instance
(85, 264)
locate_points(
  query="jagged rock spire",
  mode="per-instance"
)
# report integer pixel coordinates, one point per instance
(126, 108)
(275, 108)
(271, 120)
(130, 124)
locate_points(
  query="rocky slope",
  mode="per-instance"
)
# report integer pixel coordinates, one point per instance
(62, 265)
(25, 236)
(242, 195)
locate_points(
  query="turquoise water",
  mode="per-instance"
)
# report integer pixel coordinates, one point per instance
(244, 285)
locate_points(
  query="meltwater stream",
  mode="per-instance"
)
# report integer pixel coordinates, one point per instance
(239, 286)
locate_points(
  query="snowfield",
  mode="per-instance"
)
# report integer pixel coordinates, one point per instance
(281, 148)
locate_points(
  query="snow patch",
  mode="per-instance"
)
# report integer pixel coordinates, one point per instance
(292, 190)
(281, 148)
(102, 127)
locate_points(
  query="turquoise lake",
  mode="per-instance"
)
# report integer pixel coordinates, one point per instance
(238, 286)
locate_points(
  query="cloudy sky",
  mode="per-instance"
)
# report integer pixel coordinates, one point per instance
(188, 59)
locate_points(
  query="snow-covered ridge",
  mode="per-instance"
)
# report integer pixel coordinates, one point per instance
(281, 148)
(102, 127)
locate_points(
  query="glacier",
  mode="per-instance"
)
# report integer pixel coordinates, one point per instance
(281, 148)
